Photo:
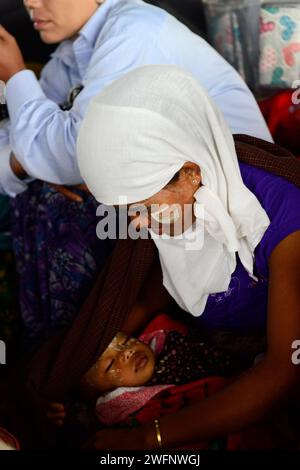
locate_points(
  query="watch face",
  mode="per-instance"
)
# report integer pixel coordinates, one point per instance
(74, 92)
(3, 107)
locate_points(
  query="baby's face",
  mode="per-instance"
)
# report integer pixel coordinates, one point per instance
(127, 362)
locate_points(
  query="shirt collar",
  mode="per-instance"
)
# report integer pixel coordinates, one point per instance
(82, 47)
(92, 28)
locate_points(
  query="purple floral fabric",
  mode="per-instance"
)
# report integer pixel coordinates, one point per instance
(58, 257)
(186, 358)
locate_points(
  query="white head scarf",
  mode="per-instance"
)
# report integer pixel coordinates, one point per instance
(136, 135)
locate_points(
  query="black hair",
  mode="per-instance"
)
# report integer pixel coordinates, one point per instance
(175, 178)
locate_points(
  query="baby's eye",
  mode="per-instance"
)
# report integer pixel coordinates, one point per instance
(109, 365)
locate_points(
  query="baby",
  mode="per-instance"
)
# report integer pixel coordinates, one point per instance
(170, 358)
(127, 362)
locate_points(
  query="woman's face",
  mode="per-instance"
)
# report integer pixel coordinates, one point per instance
(127, 362)
(57, 20)
(171, 210)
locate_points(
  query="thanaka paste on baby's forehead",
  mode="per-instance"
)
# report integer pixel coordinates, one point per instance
(121, 338)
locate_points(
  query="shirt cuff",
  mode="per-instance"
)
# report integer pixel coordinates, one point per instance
(9, 183)
(20, 89)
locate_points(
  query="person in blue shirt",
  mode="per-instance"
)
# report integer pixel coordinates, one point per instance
(54, 239)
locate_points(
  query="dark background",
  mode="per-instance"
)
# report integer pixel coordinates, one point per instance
(15, 19)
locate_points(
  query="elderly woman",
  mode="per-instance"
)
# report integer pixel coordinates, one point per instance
(236, 264)
(55, 242)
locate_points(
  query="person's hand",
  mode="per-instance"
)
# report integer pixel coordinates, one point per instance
(11, 59)
(56, 414)
(69, 193)
(116, 439)
(17, 167)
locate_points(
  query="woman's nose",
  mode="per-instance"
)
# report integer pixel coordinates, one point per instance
(31, 4)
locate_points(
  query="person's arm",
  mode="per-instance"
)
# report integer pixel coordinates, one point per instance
(10, 184)
(55, 83)
(43, 137)
(17, 168)
(11, 62)
(257, 392)
(254, 394)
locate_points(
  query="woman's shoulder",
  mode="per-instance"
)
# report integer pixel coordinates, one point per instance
(281, 201)
(275, 193)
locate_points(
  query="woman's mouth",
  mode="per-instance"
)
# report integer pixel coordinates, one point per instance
(139, 361)
(40, 25)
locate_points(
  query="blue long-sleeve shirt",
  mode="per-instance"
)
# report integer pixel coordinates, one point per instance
(120, 36)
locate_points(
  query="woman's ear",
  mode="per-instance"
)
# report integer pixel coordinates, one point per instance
(192, 172)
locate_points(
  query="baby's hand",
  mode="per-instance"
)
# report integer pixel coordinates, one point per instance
(56, 414)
